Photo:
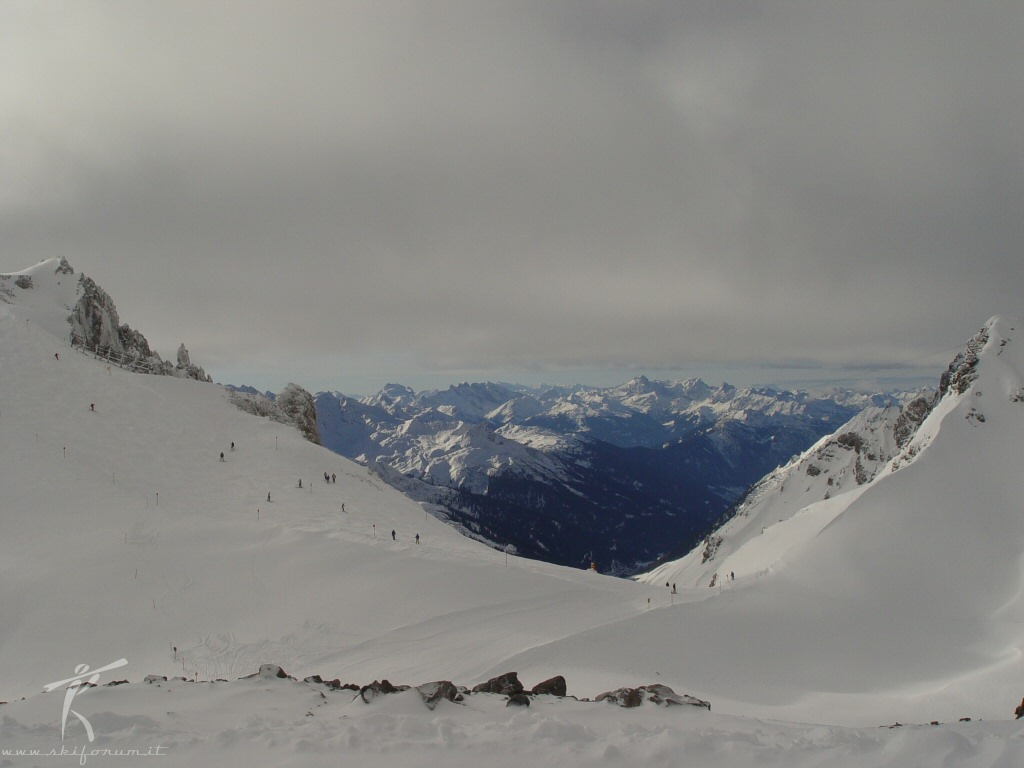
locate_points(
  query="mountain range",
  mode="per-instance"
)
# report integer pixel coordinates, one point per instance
(891, 596)
(577, 475)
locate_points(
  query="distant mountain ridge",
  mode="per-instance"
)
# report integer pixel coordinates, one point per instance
(575, 475)
(894, 600)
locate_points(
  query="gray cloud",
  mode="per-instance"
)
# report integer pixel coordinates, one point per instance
(339, 192)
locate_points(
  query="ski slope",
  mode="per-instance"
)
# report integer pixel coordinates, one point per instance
(123, 535)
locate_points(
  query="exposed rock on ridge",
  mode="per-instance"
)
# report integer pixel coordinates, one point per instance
(96, 326)
(961, 372)
(294, 405)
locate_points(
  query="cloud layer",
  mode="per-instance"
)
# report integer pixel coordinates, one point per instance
(342, 190)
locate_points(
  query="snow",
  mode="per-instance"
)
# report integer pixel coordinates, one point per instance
(122, 534)
(792, 504)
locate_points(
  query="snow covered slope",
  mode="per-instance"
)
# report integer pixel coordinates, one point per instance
(837, 465)
(122, 534)
(910, 584)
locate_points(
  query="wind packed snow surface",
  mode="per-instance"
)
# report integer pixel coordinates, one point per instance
(123, 535)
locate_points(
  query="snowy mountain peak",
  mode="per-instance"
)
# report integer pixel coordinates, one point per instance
(639, 385)
(81, 312)
(393, 395)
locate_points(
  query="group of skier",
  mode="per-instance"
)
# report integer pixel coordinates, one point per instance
(394, 536)
(331, 478)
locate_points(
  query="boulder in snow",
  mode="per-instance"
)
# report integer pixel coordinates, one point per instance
(378, 688)
(554, 687)
(270, 671)
(432, 693)
(507, 685)
(658, 694)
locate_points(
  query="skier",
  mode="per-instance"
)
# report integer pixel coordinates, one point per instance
(393, 535)
(300, 482)
(56, 355)
(222, 455)
(268, 495)
(417, 538)
(334, 478)
(232, 446)
(92, 406)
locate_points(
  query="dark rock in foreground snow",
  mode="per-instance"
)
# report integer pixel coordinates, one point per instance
(518, 700)
(507, 685)
(271, 672)
(656, 694)
(378, 688)
(555, 687)
(432, 693)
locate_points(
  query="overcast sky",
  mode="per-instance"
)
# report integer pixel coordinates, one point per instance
(344, 194)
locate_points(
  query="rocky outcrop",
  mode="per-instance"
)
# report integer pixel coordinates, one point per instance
(334, 685)
(95, 321)
(658, 694)
(96, 326)
(379, 688)
(711, 545)
(63, 268)
(961, 372)
(185, 369)
(293, 406)
(298, 406)
(269, 672)
(431, 693)
(507, 685)
(442, 690)
(518, 700)
(555, 686)
(910, 418)
(623, 697)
